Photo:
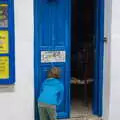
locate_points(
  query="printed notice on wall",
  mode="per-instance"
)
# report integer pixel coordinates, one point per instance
(4, 42)
(52, 56)
(4, 67)
(3, 15)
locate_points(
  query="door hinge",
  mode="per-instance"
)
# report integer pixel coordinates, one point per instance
(105, 39)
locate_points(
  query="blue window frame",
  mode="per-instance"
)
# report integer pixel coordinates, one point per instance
(7, 52)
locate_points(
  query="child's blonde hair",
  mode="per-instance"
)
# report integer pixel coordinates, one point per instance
(54, 73)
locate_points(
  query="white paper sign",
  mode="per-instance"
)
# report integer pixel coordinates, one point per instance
(52, 56)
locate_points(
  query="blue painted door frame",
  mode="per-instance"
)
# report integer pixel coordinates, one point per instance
(99, 38)
(51, 33)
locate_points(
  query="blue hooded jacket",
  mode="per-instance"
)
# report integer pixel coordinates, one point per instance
(51, 92)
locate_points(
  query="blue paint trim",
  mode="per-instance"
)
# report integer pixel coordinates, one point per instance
(101, 58)
(11, 53)
(98, 84)
(36, 57)
(94, 105)
(4, 2)
(3, 28)
(68, 106)
(4, 54)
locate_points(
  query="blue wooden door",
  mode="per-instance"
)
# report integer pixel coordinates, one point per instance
(52, 46)
(99, 38)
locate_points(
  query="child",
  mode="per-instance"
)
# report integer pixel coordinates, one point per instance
(51, 95)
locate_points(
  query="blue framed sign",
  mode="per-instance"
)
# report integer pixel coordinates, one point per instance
(7, 60)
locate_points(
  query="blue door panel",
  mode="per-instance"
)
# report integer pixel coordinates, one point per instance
(52, 23)
(52, 33)
(45, 25)
(53, 36)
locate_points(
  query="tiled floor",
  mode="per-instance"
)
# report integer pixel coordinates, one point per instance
(81, 112)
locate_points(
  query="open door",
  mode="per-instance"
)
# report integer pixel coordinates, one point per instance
(88, 32)
(52, 46)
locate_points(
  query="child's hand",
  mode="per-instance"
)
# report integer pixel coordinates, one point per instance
(75, 81)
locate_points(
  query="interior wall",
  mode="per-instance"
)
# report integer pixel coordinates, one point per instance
(82, 44)
(17, 102)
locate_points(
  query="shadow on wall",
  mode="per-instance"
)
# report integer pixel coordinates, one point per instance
(7, 88)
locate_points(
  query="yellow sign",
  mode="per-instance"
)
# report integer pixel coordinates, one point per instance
(3, 5)
(4, 41)
(4, 67)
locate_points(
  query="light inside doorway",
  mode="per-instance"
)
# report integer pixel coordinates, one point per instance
(82, 56)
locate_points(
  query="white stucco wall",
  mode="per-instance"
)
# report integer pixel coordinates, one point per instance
(17, 103)
(115, 63)
(107, 61)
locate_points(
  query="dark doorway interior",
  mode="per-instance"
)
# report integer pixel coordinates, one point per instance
(82, 53)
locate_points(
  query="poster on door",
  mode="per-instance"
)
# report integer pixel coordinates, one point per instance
(4, 49)
(4, 67)
(3, 15)
(52, 56)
